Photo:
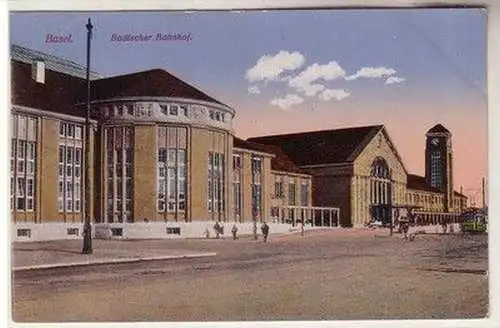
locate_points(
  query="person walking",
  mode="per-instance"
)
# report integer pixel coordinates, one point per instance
(234, 231)
(404, 226)
(217, 230)
(265, 231)
(221, 229)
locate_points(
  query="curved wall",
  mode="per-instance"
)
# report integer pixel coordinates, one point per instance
(203, 148)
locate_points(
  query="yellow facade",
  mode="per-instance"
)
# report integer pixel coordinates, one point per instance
(144, 199)
(46, 192)
(347, 185)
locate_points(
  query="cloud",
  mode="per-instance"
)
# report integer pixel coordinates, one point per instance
(254, 89)
(395, 79)
(371, 72)
(303, 81)
(312, 89)
(288, 101)
(338, 94)
(269, 67)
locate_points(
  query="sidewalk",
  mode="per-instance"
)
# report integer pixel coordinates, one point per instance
(65, 253)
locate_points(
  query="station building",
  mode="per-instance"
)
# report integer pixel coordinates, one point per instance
(165, 161)
(360, 171)
(161, 151)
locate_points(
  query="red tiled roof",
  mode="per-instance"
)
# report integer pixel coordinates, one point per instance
(322, 147)
(280, 161)
(57, 94)
(61, 92)
(418, 182)
(153, 83)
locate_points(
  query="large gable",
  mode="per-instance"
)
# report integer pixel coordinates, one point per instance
(322, 147)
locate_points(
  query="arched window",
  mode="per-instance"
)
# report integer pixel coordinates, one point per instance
(380, 190)
(380, 169)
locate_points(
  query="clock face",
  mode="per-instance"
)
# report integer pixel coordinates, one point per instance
(435, 141)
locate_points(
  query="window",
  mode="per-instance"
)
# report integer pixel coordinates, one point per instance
(236, 161)
(164, 109)
(256, 187)
(278, 186)
(172, 172)
(436, 169)
(174, 110)
(119, 173)
(216, 115)
(304, 193)
(70, 167)
(380, 182)
(23, 157)
(216, 180)
(237, 176)
(78, 132)
(171, 179)
(184, 110)
(291, 192)
(256, 165)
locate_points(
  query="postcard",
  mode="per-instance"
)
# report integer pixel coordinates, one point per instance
(250, 165)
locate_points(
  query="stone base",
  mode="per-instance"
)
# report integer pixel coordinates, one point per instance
(140, 230)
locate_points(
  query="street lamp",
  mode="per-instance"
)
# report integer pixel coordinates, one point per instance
(87, 228)
(254, 198)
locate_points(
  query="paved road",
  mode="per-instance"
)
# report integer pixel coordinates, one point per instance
(320, 276)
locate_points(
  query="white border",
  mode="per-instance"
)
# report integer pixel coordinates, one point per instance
(183, 5)
(493, 143)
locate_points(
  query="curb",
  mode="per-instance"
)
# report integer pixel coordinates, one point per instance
(111, 261)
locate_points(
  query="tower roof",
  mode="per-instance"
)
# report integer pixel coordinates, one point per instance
(438, 128)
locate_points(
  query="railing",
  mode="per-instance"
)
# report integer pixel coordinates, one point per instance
(313, 215)
(429, 218)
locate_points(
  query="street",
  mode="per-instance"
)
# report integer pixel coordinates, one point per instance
(323, 276)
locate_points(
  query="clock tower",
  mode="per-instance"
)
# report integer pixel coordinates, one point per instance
(438, 163)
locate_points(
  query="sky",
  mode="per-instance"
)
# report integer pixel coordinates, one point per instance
(299, 70)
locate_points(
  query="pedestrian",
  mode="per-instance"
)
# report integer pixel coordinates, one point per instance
(217, 230)
(234, 231)
(404, 227)
(265, 231)
(221, 229)
(302, 227)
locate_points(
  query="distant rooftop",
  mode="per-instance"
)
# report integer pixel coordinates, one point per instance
(53, 63)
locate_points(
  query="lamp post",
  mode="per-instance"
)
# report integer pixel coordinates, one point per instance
(87, 228)
(254, 198)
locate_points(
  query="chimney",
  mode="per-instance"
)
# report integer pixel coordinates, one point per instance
(38, 71)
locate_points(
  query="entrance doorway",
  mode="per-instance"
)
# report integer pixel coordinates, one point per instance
(380, 191)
